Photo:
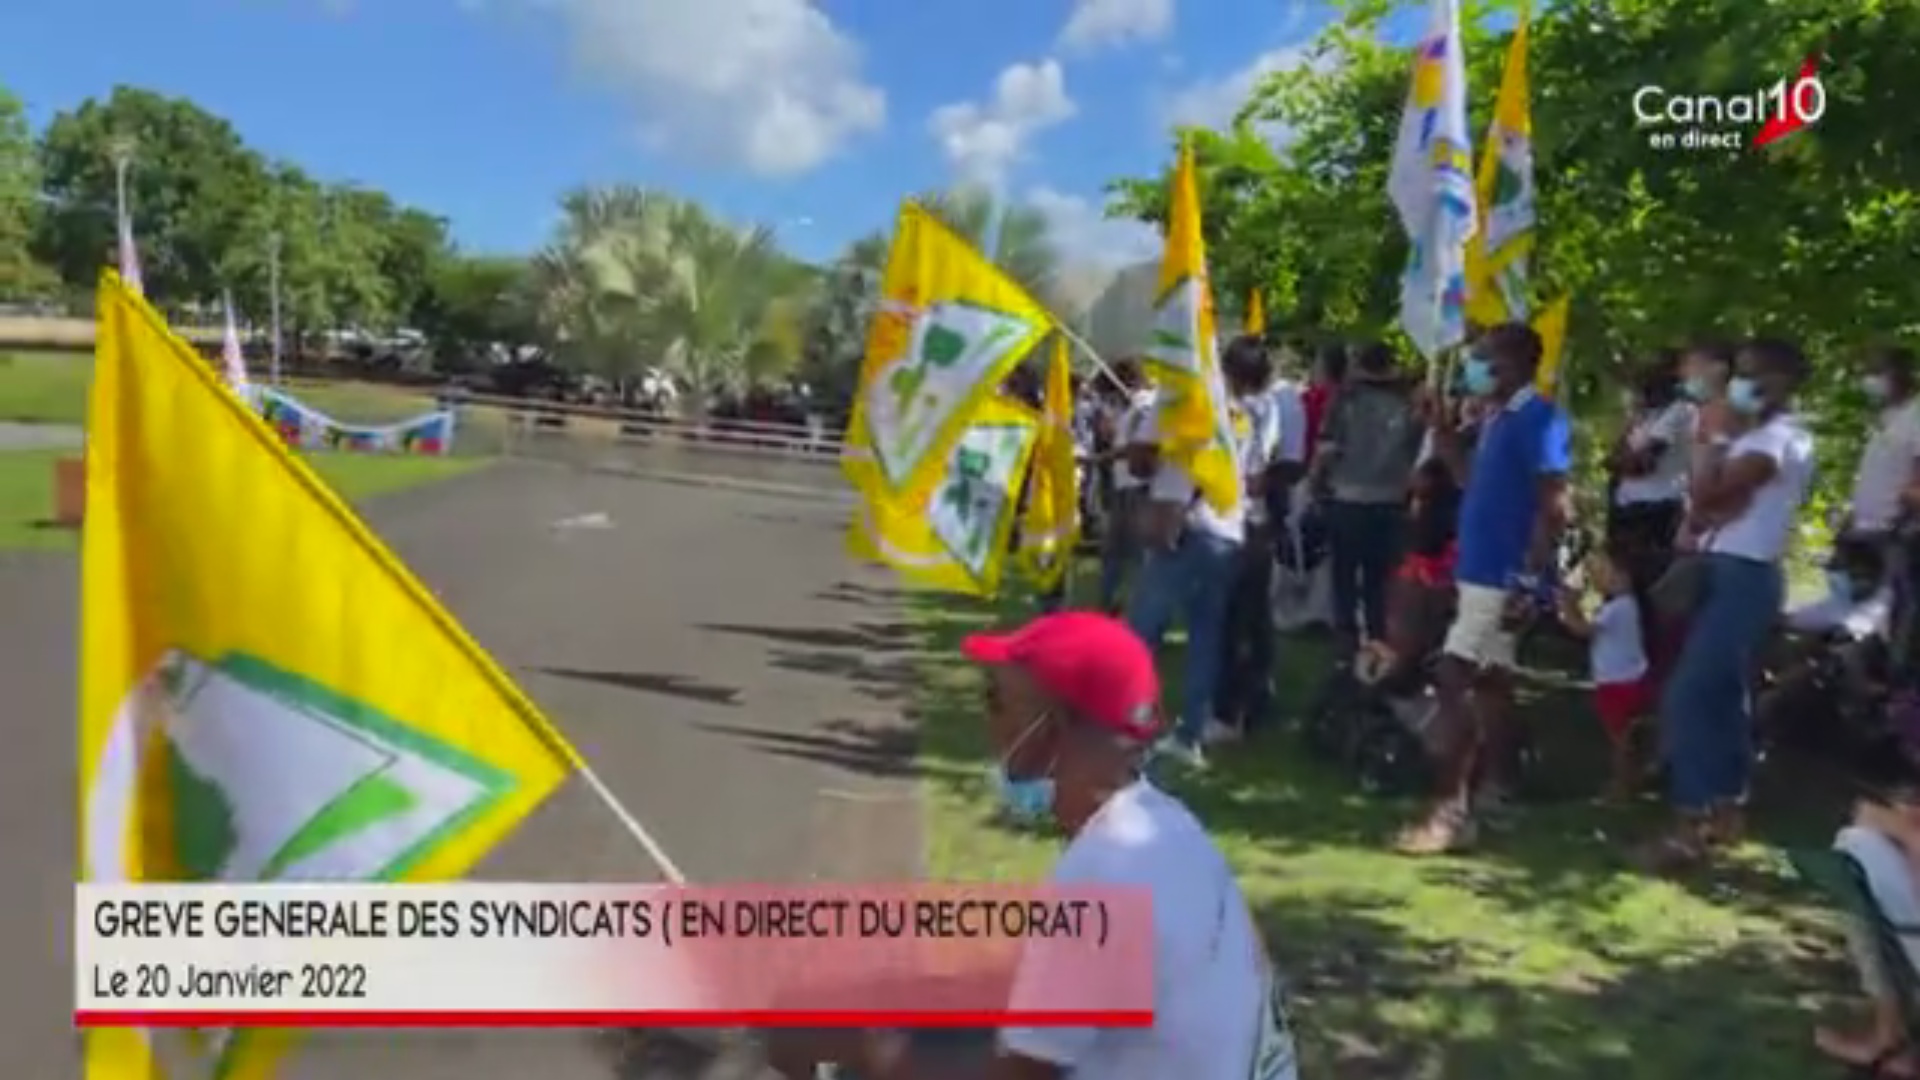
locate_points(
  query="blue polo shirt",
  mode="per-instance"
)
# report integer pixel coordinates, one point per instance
(1519, 444)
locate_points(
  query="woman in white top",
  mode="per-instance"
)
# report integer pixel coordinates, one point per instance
(1752, 465)
(1648, 468)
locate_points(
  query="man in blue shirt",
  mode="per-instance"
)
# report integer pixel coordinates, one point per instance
(1511, 515)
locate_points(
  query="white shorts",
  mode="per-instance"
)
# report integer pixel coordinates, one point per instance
(1478, 634)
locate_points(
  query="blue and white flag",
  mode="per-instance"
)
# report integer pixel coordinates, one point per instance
(1432, 187)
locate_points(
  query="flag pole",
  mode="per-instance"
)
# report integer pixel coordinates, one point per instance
(638, 832)
(273, 288)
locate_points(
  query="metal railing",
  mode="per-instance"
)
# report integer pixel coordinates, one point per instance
(637, 440)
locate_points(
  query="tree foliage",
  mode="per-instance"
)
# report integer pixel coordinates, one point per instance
(1816, 238)
(638, 279)
(20, 274)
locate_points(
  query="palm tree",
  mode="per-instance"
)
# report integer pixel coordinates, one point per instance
(636, 279)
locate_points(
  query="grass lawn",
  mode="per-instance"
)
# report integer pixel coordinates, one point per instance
(51, 388)
(26, 488)
(1542, 957)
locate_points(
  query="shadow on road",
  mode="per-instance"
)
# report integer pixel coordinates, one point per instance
(877, 637)
(648, 682)
(869, 751)
(847, 592)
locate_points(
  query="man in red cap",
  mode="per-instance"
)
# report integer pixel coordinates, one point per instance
(1072, 709)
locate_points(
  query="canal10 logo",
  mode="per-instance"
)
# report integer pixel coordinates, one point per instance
(1731, 122)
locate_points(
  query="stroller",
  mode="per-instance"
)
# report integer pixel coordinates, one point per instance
(1373, 717)
(1828, 683)
(1376, 714)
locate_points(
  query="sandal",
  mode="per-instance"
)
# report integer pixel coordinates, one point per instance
(1894, 1060)
(1445, 831)
(1684, 848)
(1725, 826)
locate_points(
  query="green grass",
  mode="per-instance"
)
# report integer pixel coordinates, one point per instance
(26, 488)
(1541, 957)
(44, 387)
(51, 388)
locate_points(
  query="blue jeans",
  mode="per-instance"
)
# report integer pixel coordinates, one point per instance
(1192, 580)
(1363, 546)
(1706, 710)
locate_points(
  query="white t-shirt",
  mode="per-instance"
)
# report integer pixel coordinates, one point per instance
(1171, 483)
(1086, 409)
(1617, 653)
(1764, 528)
(1886, 465)
(1673, 428)
(1290, 419)
(1133, 428)
(1259, 449)
(1859, 619)
(1217, 1014)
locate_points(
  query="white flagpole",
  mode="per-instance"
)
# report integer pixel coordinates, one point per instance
(123, 217)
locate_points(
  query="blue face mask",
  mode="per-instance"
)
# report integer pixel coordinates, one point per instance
(1476, 376)
(1744, 395)
(1694, 389)
(1028, 801)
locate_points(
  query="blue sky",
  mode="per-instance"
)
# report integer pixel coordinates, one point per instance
(815, 116)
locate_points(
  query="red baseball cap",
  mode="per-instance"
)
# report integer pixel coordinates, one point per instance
(1092, 663)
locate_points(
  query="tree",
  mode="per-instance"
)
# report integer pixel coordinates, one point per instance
(473, 304)
(20, 275)
(191, 184)
(1813, 238)
(637, 278)
(845, 298)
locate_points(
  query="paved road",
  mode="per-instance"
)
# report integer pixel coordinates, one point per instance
(731, 677)
(39, 436)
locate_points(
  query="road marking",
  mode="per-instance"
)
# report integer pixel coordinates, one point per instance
(595, 520)
(865, 796)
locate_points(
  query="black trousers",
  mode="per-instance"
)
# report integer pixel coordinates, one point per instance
(1245, 696)
(1646, 532)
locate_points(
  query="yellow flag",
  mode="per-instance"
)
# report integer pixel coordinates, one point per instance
(954, 536)
(949, 329)
(1194, 426)
(1552, 328)
(1051, 526)
(1496, 268)
(1256, 314)
(266, 694)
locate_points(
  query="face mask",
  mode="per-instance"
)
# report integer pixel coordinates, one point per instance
(1744, 395)
(1840, 585)
(1029, 801)
(1876, 387)
(1476, 376)
(1694, 389)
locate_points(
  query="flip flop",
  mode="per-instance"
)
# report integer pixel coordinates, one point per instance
(1895, 1062)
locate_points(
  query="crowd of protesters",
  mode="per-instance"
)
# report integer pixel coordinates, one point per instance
(1442, 508)
(1442, 512)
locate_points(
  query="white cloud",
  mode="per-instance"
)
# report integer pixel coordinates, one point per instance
(769, 85)
(1105, 23)
(982, 141)
(1086, 236)
(1213, 102)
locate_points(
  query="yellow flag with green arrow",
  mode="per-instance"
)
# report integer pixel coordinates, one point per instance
(950, 328)
(266, 693)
